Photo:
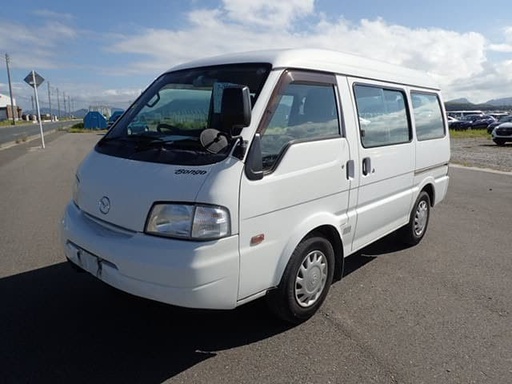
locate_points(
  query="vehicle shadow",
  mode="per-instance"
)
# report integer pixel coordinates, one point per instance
(389, 244)
(58, 325)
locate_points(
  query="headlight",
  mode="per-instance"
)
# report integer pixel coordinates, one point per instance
(76, 187)
(197, 222)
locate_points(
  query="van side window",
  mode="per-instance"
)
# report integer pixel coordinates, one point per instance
(382, 116)
(428, 116)
(301, 112)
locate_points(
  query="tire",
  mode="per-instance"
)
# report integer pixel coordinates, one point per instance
(305, 281)
(499, 142)
(414, 231)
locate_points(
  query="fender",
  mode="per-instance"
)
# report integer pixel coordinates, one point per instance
(422, 184)
(433, 177)
(302, 229)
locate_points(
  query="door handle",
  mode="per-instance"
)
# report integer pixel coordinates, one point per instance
(367, 166)
(351, 170)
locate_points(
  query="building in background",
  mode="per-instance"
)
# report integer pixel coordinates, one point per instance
(6, 110)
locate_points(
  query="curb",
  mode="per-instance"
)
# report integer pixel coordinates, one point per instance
(488, 170)
(28, 139)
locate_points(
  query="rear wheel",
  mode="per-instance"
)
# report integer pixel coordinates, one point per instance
(305, 282)
(414, 231)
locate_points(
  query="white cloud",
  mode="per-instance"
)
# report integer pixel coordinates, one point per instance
(55, 31)
(238, 25)
(445, 54)
(506, 45)
(32, 45)
(268, 13)
(52, 14)
(121, 96)
(507, 32)
(503, 48)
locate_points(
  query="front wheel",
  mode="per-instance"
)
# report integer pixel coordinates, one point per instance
(305, 282)
(414, 231)
(499, 142)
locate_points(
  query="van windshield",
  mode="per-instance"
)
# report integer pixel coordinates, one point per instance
(164, 124)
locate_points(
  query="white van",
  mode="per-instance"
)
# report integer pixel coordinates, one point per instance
(256, 174)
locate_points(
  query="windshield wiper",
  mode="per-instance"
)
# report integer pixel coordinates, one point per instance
(184, 143)
(131, 139)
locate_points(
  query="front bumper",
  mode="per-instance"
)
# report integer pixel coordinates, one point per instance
(184, 273)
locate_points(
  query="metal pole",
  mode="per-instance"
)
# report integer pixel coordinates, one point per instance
(58, 103)
(38, 111)
(10, 89)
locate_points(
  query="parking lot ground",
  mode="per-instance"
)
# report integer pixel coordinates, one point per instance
(481, 152)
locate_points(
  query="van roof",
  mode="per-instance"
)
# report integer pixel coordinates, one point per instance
(322, 60)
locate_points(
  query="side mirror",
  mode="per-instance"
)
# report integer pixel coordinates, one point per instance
(235, 109)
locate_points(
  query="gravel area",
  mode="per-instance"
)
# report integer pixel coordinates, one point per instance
(481, 153)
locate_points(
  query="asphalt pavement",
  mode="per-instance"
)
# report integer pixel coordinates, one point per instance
(439, 312)
(28, 131)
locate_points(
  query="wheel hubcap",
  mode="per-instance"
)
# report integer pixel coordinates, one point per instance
(420, 219)
(311, 278)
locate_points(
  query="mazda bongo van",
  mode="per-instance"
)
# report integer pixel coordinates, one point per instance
(254, 175)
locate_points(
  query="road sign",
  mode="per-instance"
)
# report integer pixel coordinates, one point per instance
(35, 80)
(34, 76)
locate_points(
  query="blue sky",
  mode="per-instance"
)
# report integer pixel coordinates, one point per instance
(106, 52)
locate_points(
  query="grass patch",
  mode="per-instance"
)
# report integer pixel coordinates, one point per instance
(79, 128)
(83, 130)
(22, 139)
(469, 134)
(76, 128)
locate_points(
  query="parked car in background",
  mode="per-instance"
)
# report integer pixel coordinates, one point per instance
(451, 120)
(502, 133)
(498, 115)
(116, 115)
(463, 123)
(501, 120)
(477, 121)
(481, 121)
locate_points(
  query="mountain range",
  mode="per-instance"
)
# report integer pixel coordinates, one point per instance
(79, 113)
(463, 103)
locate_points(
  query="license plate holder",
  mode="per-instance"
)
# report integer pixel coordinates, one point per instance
(89, 262)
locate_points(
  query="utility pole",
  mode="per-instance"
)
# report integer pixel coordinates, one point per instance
(64, 100)
(58, 103)
(69, 105)
(10, 88)
(50, 101)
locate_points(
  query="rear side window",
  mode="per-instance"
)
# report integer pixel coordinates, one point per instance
(428, 116)
(382, 116)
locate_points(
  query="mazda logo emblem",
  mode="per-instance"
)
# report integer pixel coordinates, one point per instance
(104, 205)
